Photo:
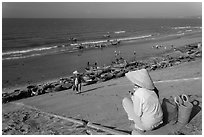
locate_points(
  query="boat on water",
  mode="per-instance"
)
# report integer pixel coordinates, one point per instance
(115, 42)
(79, 47)
(106, 36)
(73, 39)
(118, 32)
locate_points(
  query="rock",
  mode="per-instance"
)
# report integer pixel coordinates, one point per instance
(106, 76)
(153, 67)
(47, 86)
(12, 96)
(67, 85)
(40, 91)
(25, 93)
(120, 74)
(48, 90)
(31, 86)
(58, 88)
(177, 62)
(24, 129)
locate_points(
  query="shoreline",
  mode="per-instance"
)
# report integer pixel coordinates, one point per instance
(164, 39)
(168, 58)
(106, 109)
(88, 45)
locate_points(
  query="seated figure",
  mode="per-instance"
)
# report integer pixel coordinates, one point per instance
(143, 107)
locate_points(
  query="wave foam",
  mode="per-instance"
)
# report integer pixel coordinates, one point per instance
(112, 40)
(28, 50)
(187, 27)
(118, 32)
(21, 57)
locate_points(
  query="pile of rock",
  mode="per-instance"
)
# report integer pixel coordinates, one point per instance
(35, 90)
(174, 57)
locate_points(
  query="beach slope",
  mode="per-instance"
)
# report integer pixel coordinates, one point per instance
(101, 103)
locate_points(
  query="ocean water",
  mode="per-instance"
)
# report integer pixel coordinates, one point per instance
(37, 50)
(27, 38)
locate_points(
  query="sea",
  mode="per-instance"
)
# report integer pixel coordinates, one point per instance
(26, 38)
(43, 49)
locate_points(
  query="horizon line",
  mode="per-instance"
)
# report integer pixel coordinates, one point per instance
(194, 17)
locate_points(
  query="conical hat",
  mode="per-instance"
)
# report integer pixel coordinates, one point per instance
(75, 72)
(141, 78)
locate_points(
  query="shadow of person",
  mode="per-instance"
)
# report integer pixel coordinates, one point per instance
(156, 91)
(91, 89)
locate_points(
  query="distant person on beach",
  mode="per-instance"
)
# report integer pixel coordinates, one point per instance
(95, 65)
(119, 54)
(88, 65)
(115, 52)
(134, 55)
(144, 107)
(77, 82)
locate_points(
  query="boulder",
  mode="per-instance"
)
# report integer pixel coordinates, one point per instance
(16, 95)
(58, 88)
(106, 76)
(67, 85)
(48, 90)
(47, 86)
(120, 74)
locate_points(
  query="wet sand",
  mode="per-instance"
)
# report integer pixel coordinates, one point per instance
(101, 103)
(36, 70)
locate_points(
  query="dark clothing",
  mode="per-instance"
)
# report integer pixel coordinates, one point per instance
(79, 79)
(77, 83)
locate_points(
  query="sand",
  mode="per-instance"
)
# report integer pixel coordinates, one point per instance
(101, 103)
(27, 71)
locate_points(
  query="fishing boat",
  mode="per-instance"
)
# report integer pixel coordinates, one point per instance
(115, 42)
(73, 39)
(106, 36)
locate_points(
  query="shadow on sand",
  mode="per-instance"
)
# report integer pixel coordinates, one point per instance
(114, 128)
(91, 89)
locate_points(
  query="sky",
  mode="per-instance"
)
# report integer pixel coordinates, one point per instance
(101, 9)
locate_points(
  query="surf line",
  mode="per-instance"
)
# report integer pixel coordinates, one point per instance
(165, 81)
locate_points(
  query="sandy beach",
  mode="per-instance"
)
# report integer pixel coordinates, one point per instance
(37, 70)
(91, 68)
(101, 102)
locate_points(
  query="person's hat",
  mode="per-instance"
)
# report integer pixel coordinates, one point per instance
(141, 78)
(75, 72)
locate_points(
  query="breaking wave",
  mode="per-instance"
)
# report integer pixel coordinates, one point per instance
(28, 50)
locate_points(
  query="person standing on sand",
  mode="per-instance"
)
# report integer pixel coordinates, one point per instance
(95, 65)
(144, 107)
(77, 82)
(134, 55)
